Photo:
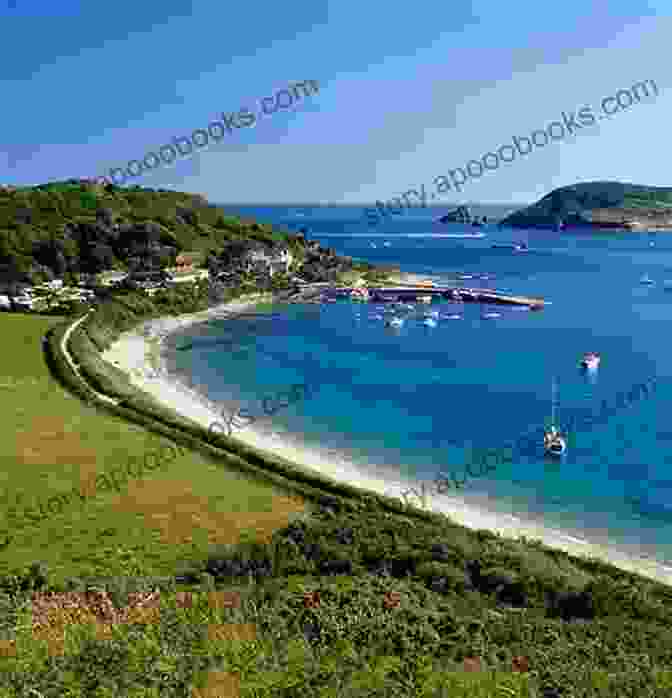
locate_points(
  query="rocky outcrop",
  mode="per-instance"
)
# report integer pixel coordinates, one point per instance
(632, 218)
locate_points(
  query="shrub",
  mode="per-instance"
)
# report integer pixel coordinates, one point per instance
(441, 577)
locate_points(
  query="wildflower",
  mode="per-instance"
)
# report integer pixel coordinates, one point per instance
(472, 664)
(392, 599)
(311, 599)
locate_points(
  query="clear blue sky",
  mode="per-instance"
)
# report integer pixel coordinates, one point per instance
(407, 92)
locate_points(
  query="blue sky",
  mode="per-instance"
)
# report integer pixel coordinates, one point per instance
(407, 92)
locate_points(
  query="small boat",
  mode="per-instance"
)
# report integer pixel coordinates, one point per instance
(647, 280)
(453, 317)
(513, 246)
(424, 299)
(395, 322)
(430, 322)
(488, 316)
(554, 442)
(359, 294)
(591, 360)
(386, 244)
(432, 313)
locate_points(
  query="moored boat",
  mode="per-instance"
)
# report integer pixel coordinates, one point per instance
(513, 246)
(359, 294)
(591, 360)
(554, 441)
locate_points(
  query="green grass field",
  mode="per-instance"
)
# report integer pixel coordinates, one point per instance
(53, 443)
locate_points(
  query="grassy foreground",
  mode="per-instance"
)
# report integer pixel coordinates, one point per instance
(52, 443)
(260, 594)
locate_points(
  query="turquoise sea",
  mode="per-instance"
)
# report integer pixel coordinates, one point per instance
(415, 400)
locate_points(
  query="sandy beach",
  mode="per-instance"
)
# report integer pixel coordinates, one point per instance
(139, 353)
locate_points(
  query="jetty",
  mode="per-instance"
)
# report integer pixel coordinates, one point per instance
(468, 295)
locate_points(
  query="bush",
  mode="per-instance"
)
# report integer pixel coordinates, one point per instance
(442, 576)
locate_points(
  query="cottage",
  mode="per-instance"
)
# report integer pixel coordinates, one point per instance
(112, 278)
(274, 260)
(184, 263)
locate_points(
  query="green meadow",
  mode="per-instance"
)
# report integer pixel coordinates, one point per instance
(54, 444)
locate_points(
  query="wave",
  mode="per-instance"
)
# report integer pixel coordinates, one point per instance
(403, 235)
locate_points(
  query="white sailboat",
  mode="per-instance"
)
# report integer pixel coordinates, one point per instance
(554, 441)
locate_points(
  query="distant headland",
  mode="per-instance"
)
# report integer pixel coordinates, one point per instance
(598, 205)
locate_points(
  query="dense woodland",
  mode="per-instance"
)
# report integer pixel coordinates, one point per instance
(65, 229)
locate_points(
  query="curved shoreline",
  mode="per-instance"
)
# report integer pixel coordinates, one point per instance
(135, 352)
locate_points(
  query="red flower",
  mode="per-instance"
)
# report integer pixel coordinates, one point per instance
(472, 664)
(520, 664)
(311, 599)
(392, 599)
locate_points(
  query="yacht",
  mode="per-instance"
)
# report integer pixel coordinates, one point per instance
(554, 441)
(591, 360)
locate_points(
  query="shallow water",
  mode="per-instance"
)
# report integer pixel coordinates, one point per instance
(417, 398)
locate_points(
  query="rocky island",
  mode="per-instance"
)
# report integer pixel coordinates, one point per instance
(598, 205)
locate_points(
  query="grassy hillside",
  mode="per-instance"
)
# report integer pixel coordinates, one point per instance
(571, 203)
(53, 443)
